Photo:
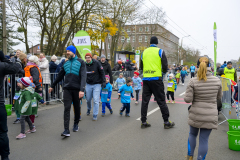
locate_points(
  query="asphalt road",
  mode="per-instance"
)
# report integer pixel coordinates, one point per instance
(114, 137)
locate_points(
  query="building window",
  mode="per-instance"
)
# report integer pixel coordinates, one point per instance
(140, 38)
(108, 45)
(128, 30)
(133, 40)
(140, 29)
(146, 29)
(134, 29)
(146, 38)
(133, 49)
(128, 39)
(109, 37)
(123, 38)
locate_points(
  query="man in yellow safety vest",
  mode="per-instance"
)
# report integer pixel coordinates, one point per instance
(230, 72)
(153, 63)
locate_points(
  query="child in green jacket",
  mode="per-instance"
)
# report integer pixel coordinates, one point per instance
(171, 87)
(28, 103)
(16, 103)
(177, 76)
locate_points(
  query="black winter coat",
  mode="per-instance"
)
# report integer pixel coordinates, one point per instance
(6, 67)
(95, 73)
(107, 70)
(52, 67)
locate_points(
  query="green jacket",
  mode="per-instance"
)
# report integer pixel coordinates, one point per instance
(16, 100)
(177, 75)
(28, 101)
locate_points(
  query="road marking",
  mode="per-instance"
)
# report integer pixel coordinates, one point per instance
(182, 94)
(149, 113)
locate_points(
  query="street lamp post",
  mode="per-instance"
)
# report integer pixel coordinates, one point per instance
(181, 46)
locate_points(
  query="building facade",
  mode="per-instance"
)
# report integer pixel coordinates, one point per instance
(137, 37)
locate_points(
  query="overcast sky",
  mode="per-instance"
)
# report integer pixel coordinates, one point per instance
(196, 18)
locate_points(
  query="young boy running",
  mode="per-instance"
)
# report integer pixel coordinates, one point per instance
(120, 82)
(106, 94)
(126, 93)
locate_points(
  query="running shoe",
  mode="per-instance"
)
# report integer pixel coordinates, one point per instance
(168, 124)
(21, 136)
(66, 133)
(145, 125)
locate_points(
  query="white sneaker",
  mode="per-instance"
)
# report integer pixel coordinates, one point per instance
(168, 101)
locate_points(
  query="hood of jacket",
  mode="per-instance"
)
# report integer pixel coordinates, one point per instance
(30, 89)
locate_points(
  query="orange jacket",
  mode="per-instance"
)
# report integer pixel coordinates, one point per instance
(28, 74)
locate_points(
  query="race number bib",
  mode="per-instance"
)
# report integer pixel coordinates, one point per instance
(34, 103)
(127, 93)
(17, 95)
(135, 84)
(105, 91)
(170, 85)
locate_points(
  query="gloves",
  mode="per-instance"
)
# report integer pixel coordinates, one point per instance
(103, 85)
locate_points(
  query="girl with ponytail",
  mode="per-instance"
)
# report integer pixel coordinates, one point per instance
(203, 92)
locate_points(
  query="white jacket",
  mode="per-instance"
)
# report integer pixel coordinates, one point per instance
(44, 68)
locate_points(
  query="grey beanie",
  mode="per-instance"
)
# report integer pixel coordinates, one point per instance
(103, 56)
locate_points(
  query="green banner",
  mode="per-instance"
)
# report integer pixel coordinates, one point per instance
(215, 47)
(82, 42)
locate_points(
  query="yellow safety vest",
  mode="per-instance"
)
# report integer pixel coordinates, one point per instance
(229, 73)
(152, 64)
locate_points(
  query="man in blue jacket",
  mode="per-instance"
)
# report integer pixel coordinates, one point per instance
(74, 71)
(224, 65)
(192, 69)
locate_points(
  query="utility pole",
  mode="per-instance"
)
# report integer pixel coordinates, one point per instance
(181, 46)
(4, 34)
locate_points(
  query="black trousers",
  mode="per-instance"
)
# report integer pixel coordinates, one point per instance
(46, 92)
(157, 89)
(192, 74)
(171, 94)
(71, 96)
(4, 141)
(137, 94)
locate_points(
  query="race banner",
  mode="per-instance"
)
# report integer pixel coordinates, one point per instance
(82, 42)
(215, 47)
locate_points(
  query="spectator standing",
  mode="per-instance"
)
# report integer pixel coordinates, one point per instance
(95, 78)
(52, 68)
(6, 67)
(44, 68)
(203, 92)
(106, 67)
(33, 70)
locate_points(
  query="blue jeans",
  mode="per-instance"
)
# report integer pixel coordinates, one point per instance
(93, 91)
(104, 106)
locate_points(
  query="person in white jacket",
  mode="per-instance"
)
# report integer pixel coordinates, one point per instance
(44, 68)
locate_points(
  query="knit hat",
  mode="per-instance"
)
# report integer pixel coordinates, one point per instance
(33, 59)
(229, 62)
(224, 62)
(107, 76)
(154, 40)
(54, 57)
(103, 56)
(88, 54)
(136, 73)
(129, 79)
(171, 75)
(133, 61)
(25, 81)
(119, 62)
(72, 49)
(29, 55)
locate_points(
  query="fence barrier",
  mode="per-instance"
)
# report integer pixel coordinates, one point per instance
(10, 87)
